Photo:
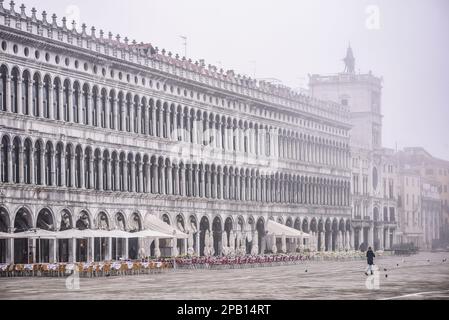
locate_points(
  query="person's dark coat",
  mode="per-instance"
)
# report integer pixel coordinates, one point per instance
(370, 257)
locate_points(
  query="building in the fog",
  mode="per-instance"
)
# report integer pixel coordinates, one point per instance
(373, 168)
(434, 195)
(100, 132)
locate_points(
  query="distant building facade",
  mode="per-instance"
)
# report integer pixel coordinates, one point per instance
(100, 132)
(374, 170)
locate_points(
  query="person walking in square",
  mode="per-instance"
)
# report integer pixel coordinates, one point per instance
(370, 259)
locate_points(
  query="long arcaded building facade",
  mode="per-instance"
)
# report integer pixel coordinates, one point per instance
(100, 132)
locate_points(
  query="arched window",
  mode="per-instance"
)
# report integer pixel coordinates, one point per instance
(68, 166)
(97, 172)
(48, 164)
(136, 114)
(3, 79)
(56, 99)
(14, 90)
(66, 100)
(75, 102)
(38, 158)
(78, 165)
(94, 106)
(128, 113)
(36, 84)
(46, 97)
(58, 164)
(85, 104)
(27, 154)
(112, 110)
(104, 101)
(120, 112)
(15, 160)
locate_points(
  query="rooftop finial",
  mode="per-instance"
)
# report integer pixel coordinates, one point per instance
(54, 17)
(64, 23)
(101, 34)
(1, 6)
(83, 30)
(92, 32)
(126, 40)
(22, 10)
(44, 17)
(73, 25)
(33, 14)
(117, 37)
(11, 7)
(110, 36)
(349, 60)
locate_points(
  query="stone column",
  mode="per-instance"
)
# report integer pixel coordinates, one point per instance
(19, 95)
(81, 173)
(91, 170)
(322, 238)
(21, 155)
(108, 182)
(72, 170)
(126, 255)
(176, 180)
(8, 93)
(203, 183)
(131, 115)
(125, 174)
(108, 256)
(72, 250)
(162, 177)
(371, 237)
(161, 121)
(100, 173)
(122, 105)
(183, 183)
(139, 120)
(117, 175)
(132, 187)
(154, 174)
(52, 248)
(140, 173)
(151, 128)
(167, 121)
(10, 251)
(169, 180)
(387, 239)
(107, 112)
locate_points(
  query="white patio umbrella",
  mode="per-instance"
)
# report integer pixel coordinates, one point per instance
(35, 234)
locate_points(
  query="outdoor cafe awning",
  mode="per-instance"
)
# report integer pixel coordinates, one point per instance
(277, 229)
(83, 234)
(158, 225)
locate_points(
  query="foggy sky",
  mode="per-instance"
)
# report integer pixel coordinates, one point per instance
(287, 40)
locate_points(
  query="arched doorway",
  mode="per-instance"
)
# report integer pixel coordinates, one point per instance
(228, 228)
(44, 221)
(118, 245)
(334, 243)
(180, 225)
(4, 227)
(64, 247)
(193, 235)
(217, 236)
(22, 250)
(101, 244)
(260, 227)
(204, 227)
(82, 245)
(321, 235)
(135, 225)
